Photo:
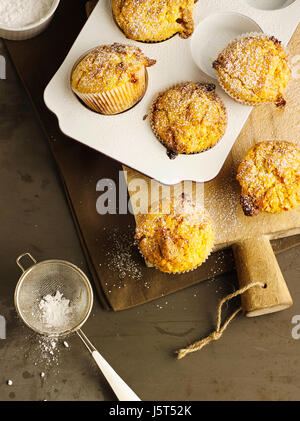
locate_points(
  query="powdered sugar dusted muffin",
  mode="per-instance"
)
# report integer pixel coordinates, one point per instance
(254, 70)
(189, 118)
(154, 20)
(111, 78)
(270, 178)
(175, 236)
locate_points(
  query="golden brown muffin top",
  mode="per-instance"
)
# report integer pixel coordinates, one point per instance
(254, 69)
(176, 235)
(270, 178)
(189, 118)
(154, 20)
(108, 66)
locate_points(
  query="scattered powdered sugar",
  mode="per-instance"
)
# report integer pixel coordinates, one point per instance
(48, 345)
(120, 257)
(222, 205)
(55, 311)
(46, 352)
(20, 13)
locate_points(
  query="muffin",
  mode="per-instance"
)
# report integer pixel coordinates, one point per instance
(175, 237)
(111, 78)
(188, 118)
(154, 20)
(254, 70)
(270, 178)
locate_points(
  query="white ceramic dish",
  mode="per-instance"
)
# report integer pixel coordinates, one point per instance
(127, 137)
(29, 31)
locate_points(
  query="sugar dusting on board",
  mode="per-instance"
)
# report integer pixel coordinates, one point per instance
(120, 257)
(222, 205)
(21, 13)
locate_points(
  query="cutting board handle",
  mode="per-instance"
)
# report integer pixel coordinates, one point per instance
(256, 262)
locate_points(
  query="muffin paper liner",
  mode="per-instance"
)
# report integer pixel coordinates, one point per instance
(118, 99)
(232, 94)
(154, 129)
(157, 42)
(177, 273)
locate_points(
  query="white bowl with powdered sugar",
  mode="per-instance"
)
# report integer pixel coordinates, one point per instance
(24, 19)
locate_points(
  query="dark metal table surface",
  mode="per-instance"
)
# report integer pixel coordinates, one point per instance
(256, 359)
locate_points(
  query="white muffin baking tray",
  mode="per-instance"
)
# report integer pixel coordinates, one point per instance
(127, 137)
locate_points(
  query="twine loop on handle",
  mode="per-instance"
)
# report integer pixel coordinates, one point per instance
(214, 336)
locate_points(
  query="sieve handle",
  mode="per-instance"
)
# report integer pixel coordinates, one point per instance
(120, 388)
(18, 261)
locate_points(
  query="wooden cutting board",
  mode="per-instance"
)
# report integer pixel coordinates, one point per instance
(78, 165)
(250, 236)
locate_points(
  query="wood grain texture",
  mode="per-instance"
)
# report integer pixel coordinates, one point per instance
(255, 262)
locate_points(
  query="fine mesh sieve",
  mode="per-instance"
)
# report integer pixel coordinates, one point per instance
(45, 278)
(48, 277)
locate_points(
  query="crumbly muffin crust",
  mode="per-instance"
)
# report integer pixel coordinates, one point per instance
(254, 70)
(154, 20)
(189, 118)
(270, 178)
(108, 66)
(177, 238)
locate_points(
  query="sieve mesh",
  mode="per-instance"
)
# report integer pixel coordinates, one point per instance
(45, 278)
